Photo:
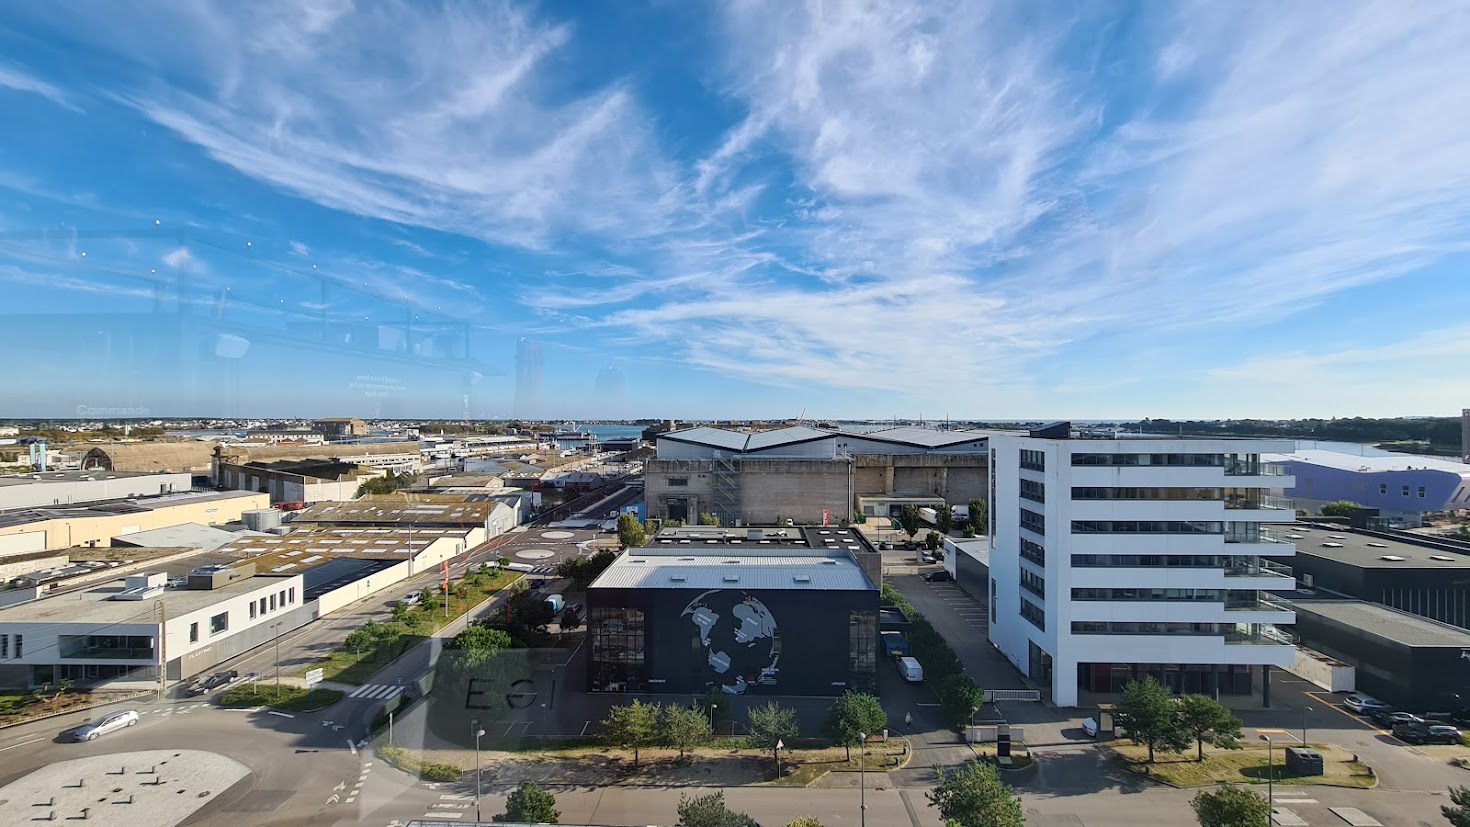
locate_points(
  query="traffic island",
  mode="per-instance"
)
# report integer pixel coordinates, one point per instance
(160, 788)
(283, 698)
(1243, 766)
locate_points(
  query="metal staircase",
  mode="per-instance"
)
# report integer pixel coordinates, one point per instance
(725, 489)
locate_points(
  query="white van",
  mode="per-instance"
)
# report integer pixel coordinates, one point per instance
(910, 669)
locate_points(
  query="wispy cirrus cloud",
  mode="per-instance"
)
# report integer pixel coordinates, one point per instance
(21, 81)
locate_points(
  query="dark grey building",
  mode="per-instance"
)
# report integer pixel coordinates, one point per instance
(1402, 659)
(741, 619)
(1431, 580)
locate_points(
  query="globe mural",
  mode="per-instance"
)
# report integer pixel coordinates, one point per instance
(739, 638)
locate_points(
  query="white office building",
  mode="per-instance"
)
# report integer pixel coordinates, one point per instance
(1118, 558)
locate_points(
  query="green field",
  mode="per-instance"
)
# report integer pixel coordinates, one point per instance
(283, 698)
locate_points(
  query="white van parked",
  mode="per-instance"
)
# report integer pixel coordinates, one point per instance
(910, 668)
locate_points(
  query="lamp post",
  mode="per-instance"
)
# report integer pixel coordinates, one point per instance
(712, 708)
(276, 627)
(863, 779)
(1270, 776)
(478, 732)
(1305, 710)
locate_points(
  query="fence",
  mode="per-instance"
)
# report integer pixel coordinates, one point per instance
(995, 695)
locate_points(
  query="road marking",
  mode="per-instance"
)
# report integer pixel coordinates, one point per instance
(334, 799)
(21, 744)
(350, 799)
(341, 785)
(1355, 817)
(448, 806)
(443, 815)
(1261, 729)
(282, 714)
(1296, 801)
(453, 797)
(1286, 818)
(376, 691)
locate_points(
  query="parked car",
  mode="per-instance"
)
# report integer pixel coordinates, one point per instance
(1414, 733)
(885, 546)
(1390, 717)
(1089, 727)
(111, 722)
(941, 576)
(1363, 704)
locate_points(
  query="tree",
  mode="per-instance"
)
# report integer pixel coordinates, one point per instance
(710, 811)
(630, 531)
(1458, 815)
(709, 519)
(682, 727)
(481, 639)
(530, 804)
(854, 714)
(570, 620)
(974, 796)
(932, 541)
(978, 516)
(400, 612)
(1235, 806)
(944, 518)
(1341, 508)
(631, 727)
(1209, 722)
(1151, 716)
(804, 821)
(770, 725)
(908, 519)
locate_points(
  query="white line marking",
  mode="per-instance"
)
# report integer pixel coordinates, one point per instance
(453, 797)
(282, 714)
(21, 744)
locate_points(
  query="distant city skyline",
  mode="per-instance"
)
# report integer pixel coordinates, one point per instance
(987, 210)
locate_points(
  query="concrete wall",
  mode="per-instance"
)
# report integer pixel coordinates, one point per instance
(22, 543)
(49, 494)
(1329, 673)
(10, 571)
(99, 530)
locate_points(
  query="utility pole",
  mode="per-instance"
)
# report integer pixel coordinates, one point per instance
(162, 648)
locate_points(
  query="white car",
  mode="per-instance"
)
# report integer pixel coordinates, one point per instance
(107, 723)
(1363, 704)
(1089, 727)
(412, 599)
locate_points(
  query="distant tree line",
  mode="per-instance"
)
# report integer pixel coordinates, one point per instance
(1441, 430)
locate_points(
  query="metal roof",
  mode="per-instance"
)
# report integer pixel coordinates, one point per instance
(741, 441)
(1345, 545)
(186, 535)
(701, 570)
(1392, 624)
(388, 513)
(1354, 462)
(926, 437)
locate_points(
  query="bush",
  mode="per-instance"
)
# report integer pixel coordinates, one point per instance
(427, 770)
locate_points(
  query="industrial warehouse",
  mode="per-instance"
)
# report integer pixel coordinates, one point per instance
(742, 611)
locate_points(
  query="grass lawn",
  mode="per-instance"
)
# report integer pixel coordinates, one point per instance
(811, 764)
(348, 665)
(1245, 766)
(284, 698)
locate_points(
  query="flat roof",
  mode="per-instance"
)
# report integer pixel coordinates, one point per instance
(193, 535)
(743, 441)
(302, 549)
(381, 512)
(798, 537)
(745, 569)
(77, 476)
(926, 437)
(95, 605)
(336, 573)
(1402, 627)
(1367, 550)
(1354, 462)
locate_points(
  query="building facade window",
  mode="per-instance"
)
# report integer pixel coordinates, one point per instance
(1188, 561)
(1098, 627)
(862, 650)
(1033, 613)
(272, 599)
(678, 480)
(1149, 459)
(219, 623)
(1406, 491)
(1035, 552)
(1082, 493)
(194, 631)
(1202, 595)
(1032, 521)
(1033, 460)
(1147, 527)
(1034, 583)
(1383, 488)
(1033, 490)
(4, 647)
(617, 649)
(252, 610)
(1421, 492)
(291, 595)
(20, 646)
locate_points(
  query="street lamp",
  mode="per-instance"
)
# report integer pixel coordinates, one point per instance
(1270, 776)
(712, 708)
(475, 723)
(1305, 710)
(276, 627)
(863, 778)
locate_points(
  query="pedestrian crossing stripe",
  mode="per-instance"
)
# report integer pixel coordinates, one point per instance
(376, 691)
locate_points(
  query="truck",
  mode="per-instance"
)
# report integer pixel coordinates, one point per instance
(910, 669)
(929, 516)
(894, 644)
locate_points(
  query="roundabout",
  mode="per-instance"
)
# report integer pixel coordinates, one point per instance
(557, 535)
(535, 554)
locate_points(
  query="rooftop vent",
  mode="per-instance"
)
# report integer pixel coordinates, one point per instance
(1378, 545)
(1332, 545)
(1441, 558)
(1392, 558)
(801, 578)
(1336, 537)
(686, 559)
(829, 562)
(1293, 536)
(677, 578)
(732, 578)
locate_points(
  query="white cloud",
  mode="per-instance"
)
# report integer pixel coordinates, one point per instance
(180, 258)
(13, 78)
(299, 248)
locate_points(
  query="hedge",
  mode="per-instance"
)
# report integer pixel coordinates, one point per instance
(427, 770)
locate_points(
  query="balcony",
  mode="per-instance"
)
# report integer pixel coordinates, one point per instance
(1256, 602)
(1260, 503)
(1254, 567)
(1263, 634)
(1253, 467)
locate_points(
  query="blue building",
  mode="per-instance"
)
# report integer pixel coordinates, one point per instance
(1403, 487)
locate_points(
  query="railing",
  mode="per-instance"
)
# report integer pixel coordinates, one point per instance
(1253, 468)
(1262, 502)
(110, 652)
(1258, 603)
(1264, 636)
(1259, 568)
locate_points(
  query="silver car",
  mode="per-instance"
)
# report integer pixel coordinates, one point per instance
(107, 723)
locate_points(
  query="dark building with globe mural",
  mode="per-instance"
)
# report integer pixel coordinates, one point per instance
(744, 619)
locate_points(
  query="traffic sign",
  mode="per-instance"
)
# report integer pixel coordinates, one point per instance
(313, 676)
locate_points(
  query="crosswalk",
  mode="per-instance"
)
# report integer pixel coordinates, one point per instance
(376, 691)
(171, 709)
(449, 806)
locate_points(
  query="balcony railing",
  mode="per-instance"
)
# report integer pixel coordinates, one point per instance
(1253, 468)
(1258, 603)
(1263, 635)
(111, 653)
(1258, 568)
(1266, 503)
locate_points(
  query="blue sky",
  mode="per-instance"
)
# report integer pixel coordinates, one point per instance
(744, 209)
